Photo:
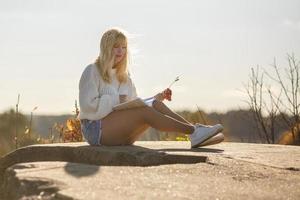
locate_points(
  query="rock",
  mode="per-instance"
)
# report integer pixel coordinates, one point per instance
(152, 170)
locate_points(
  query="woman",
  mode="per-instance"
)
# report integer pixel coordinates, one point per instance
(106, 83)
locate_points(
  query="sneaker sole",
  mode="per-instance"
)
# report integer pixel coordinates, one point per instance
(213, 140)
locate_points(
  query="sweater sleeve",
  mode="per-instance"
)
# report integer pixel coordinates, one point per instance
(128, 89)
(94, 106)
(131, 87)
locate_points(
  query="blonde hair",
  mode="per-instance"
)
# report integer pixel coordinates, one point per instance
(105, 61)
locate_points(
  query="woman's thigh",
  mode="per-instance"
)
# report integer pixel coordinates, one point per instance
(119, 127)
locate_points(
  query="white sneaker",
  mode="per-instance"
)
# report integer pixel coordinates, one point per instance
(201, 133)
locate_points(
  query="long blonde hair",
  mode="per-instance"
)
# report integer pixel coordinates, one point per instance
(105, 60)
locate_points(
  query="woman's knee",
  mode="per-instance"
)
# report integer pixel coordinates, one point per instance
(144, 111)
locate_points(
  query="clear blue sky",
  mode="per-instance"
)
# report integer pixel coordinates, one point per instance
(46, 44)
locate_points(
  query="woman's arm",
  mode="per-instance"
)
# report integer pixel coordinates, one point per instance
(128, 89)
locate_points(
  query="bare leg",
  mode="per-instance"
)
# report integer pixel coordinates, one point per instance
(134, 137)
(162, 108)
(119, 126)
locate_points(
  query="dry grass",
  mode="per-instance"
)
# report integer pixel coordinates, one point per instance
(288, 138)
(71, 131)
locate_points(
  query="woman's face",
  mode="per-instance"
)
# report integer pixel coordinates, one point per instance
(119, 52)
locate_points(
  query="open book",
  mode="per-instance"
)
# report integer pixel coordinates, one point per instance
(135, 103)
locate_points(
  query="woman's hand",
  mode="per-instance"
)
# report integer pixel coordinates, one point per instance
(123, 98)
(166, 94)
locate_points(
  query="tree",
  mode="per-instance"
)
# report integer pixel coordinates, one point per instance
(267, 106)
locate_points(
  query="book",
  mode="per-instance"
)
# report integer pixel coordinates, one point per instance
(138, 102)
(135, 103)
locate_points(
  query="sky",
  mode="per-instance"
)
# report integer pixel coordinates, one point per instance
(211, 44)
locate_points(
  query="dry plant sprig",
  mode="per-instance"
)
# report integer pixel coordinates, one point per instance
(30, 122)
(60, 129)
(203, 119)
(26, 130)
(38, 139)
(17, 111)
(176, 79)
(76, 109)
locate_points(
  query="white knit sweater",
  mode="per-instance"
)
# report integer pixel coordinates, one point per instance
(96, 97)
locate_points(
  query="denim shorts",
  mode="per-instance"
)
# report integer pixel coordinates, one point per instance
(91, 130)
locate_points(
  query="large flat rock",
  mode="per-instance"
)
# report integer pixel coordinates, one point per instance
(280, 156)
(154, 170)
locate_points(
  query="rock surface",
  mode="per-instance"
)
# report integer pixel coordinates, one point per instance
(153, 170)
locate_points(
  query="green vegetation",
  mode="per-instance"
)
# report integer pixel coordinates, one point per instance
(8, 131)
(17, 130)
